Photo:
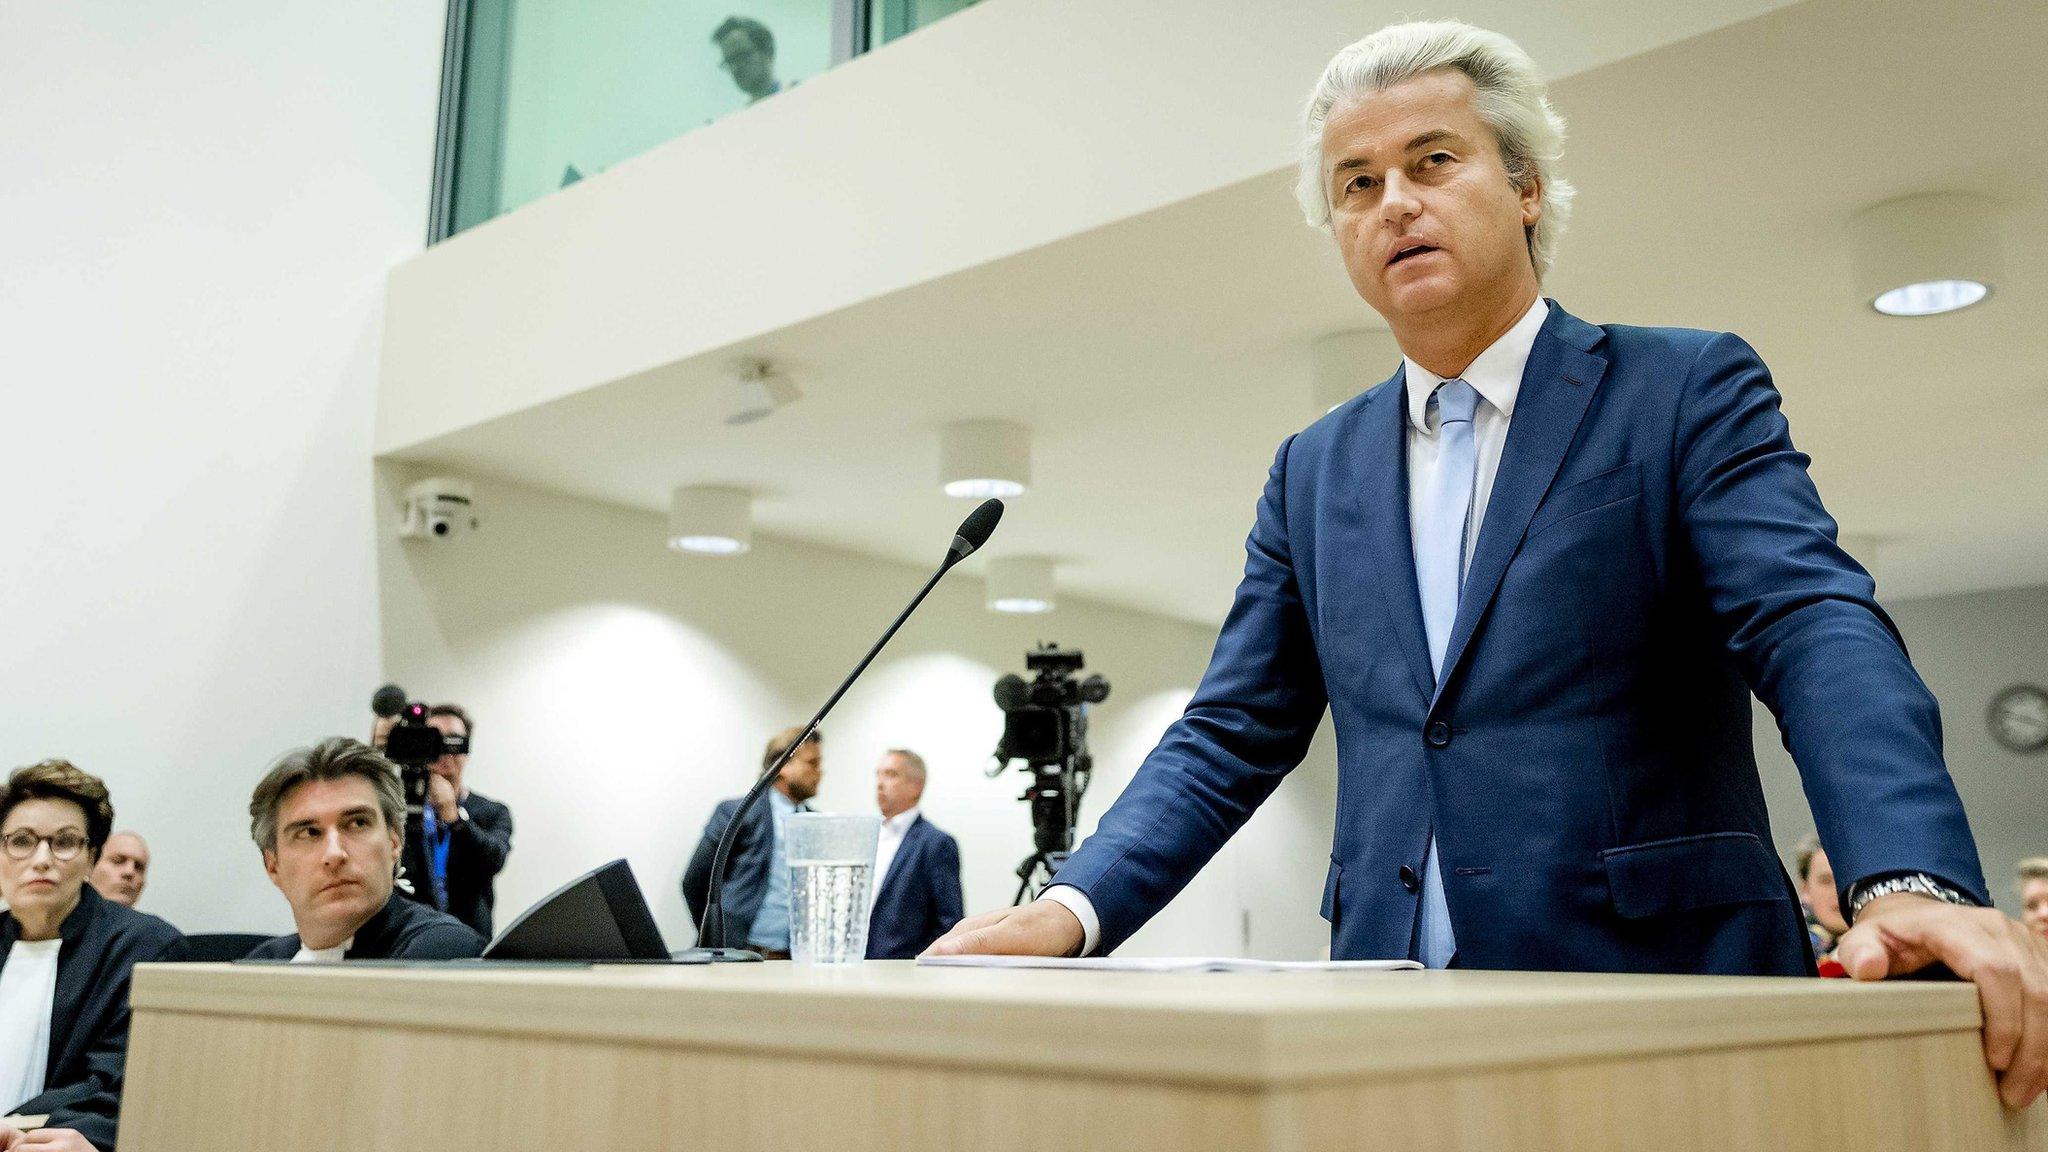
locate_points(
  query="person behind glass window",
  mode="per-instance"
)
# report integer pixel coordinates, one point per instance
(756, 897)
(329, 820)
(917, 867)
(468, 835)
(123, 868)
(2034, 893)
(747, 51)
(66, 956)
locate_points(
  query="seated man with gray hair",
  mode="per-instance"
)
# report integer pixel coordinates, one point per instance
(329, 820)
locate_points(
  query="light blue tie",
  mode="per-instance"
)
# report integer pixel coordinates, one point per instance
(1440, 540)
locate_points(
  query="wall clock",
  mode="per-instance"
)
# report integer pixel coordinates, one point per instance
(2019, 718)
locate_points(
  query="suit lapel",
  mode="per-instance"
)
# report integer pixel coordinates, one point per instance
(1557, 386)
(1379, 447)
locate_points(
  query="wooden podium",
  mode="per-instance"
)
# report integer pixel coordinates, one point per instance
(886, 1056)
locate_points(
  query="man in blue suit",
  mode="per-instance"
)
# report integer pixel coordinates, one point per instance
(756, 898)
(917, 867)
(1535, 577)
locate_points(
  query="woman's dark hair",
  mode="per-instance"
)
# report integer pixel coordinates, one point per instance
(63, 780)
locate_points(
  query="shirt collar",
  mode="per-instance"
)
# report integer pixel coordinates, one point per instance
(1496, 374)
(901, 822)
(782, 803)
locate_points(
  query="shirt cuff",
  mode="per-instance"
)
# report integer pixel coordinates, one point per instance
(1074, 900)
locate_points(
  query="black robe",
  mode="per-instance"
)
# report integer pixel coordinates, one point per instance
(103, 942)
(401, 930)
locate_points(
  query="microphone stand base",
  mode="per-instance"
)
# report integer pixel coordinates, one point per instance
(716, 956)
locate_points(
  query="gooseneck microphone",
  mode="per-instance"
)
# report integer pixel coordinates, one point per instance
(972, 534)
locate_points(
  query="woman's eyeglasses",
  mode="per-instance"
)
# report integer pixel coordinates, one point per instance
(21, 844)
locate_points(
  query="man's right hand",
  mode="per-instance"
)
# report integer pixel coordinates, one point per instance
(1040, 928)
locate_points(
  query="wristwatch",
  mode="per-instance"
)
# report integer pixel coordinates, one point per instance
(1917, 882)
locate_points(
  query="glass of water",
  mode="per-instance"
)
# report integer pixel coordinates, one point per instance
(831, 868)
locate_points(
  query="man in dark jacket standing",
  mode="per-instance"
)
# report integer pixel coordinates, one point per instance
(756, 897)
(468, 835)
(917, 867)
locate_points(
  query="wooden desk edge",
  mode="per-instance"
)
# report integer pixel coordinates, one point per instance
(1288, 1045)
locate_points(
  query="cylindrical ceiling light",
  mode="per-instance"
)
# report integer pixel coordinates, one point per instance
(711, 520)
(1924, 255)
(983, 458)
(1020, 584)
(1347, 363)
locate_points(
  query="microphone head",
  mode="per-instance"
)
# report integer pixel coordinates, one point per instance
(1011, 692)
(975, 530)
(388, 700)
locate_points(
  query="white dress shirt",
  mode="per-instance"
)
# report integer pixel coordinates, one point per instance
(332, 955)
(1496, 374)
(28, 994)
(893, 831)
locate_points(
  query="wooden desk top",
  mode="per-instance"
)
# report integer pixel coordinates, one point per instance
(1243, 1029)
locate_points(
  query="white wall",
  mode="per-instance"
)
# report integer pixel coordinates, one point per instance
(620, 690)
(200, 204)
(1967, 648)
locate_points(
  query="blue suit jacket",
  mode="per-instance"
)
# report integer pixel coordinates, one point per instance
(920, 897)
(746, 869)
(1653, 552)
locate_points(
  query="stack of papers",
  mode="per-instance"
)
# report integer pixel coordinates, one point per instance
(1167, 964)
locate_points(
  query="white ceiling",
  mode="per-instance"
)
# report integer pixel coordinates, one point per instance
(1161, 359)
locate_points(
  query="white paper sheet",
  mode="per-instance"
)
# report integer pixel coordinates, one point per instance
(1167, 964)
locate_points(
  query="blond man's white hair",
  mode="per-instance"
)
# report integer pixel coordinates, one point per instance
(1513, 102)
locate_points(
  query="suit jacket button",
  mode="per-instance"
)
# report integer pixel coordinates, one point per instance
(1439, 735)
(1409, 879)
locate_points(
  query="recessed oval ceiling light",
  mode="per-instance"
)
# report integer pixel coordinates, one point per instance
(983, 458)
(1926, 255)
(711, 520)
(1930, 298)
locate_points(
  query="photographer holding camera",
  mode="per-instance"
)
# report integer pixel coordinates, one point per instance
(456, 840)
(466, 835)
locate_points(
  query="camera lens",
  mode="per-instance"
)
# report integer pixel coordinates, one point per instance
(440, 527)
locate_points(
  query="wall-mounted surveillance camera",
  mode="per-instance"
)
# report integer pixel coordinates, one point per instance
(437, 508)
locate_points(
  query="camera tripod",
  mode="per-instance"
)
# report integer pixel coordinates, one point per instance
(1050, 861)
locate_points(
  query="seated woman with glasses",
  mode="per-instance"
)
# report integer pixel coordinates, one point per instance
(65, 959)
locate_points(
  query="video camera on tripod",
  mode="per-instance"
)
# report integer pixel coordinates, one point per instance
(1045, 724)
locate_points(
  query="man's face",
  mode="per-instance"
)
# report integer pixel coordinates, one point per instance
(753, 70)
(2034, 905)
(123, 868)
(1424, 213)
(333, 859)
(450, 767)
(898, 787)
(801, 776)
(1819, 890)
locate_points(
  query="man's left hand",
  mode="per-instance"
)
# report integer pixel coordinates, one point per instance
(1905, 932)
(441, 794)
